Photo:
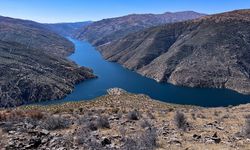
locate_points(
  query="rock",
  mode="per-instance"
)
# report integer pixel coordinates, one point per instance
(34, 143)
(215, 138)
(105, 142)
(196, 137)
(175, 141)
(12, 132)
(44, 132)
(115, 91)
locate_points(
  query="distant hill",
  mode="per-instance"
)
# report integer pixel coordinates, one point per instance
(107, 30)
(67, 29)
(212, 51)
(32, 63)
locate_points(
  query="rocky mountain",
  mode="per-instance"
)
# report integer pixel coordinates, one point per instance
(32, 64)
(67, 29)
(212, 51)
(34, 35)
(107, 30)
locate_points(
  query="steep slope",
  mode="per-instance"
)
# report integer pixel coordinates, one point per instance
(107, 30)
(67, 29)
(32, 67)
(212, 51)
(34, 35)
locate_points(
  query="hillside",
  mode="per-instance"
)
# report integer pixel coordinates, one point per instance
(212, 51)
(34, 35)
(32, 64)
(107, 30)
(121, 120)
(67, 29)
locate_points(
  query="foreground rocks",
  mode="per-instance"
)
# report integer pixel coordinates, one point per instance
(212, 51)
(108, 122)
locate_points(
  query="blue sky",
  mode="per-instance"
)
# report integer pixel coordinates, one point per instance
(51, 11)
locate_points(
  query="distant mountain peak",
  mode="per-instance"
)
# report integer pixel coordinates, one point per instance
(110, 29)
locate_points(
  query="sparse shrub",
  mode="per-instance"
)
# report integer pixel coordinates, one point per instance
(193, 116)
(171, 109)
(102, 122)
(145, 124)
(55, 122)
(130, 144)
(150, 115)
(217, 113)
(148, 139)
(82, 134)
(247, 127)
(133, 115)
(144, 141)
(201, 116)
(91, 125)
(2, 116)
(8, 126)
(119, 115)
(35, 114)
(180, 121)
(115, 110)
(86, 139)
(80, 109)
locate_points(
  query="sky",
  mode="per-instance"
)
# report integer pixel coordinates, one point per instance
(54, 11)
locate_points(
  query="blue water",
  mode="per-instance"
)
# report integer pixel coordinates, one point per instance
(114, 75)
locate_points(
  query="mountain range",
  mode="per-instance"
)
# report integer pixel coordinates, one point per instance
(67, 29)
(107, 30)
(211, 51)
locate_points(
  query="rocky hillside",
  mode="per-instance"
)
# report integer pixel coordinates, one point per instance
(67, 29)
(32, 67)
(34, 35)
(212, 51)
(125, 121)
(107, 30)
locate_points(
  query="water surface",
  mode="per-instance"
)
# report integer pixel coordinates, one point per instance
(114, 75)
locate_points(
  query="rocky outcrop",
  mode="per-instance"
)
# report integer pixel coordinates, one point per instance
(212, 51)
(107, 30)
(32, 64)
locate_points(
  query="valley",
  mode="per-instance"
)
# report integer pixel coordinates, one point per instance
(176, 80)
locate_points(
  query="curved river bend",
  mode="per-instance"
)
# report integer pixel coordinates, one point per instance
(114, 75)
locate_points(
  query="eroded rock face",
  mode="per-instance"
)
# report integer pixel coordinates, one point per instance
(212, 51)
(32, 64)
(107, 30)
(31, 75)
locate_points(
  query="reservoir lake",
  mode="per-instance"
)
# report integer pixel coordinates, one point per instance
(112, 75)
